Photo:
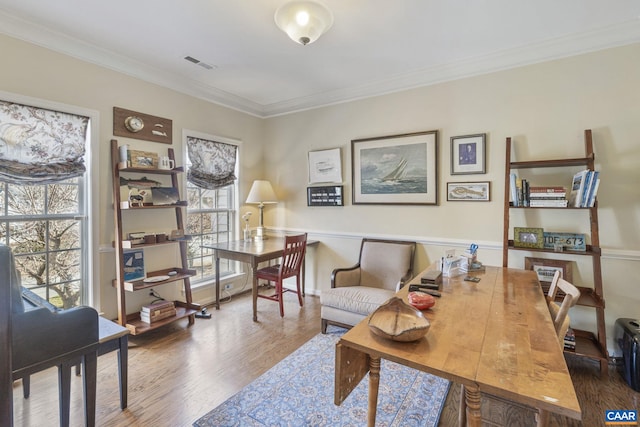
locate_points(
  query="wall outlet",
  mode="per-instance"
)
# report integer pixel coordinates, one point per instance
(228, 286)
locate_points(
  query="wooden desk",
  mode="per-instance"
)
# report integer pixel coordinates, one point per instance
(495, 336)
(252, 253)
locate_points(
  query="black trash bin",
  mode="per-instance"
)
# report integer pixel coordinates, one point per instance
(627, 337)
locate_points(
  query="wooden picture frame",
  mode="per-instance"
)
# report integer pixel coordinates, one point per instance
(396, 169)
(469, 191)
(525, 237)
(143, 159)
(546, 268)
(468, 154)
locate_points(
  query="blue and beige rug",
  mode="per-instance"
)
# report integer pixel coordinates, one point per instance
(298, 391)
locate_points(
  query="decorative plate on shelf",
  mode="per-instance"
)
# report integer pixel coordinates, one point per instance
(155, 279)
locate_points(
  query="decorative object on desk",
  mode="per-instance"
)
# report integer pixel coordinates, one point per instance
(568, 241)
(143, 159)
(408, 396)
(261, 193)
(398, 321)
(247, 231)
(546, 268)
(325, 166)
(468, 154)
(421, 300)
(303, 21)
(154, 279)
(454, 265)
(124, 154)
(132, 124)
(396, 169)
(525, 237)
(325, 196)
(133, 264)
(165, 163)
(468, 191)
(165, 196)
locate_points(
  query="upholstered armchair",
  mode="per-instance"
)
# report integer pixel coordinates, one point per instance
(383, 267)
(37, 338)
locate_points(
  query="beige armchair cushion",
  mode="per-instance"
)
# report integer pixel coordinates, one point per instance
(383, 266)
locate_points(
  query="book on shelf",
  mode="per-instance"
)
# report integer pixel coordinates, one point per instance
(548, 203)
(547, 192)
(148, 318)
(515, 191)
(158, 305)
(577, 188)
(594, 191)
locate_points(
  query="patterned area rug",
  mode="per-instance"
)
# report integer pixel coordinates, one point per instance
(298, 391)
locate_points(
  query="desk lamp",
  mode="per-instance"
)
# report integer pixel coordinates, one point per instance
(261, 193)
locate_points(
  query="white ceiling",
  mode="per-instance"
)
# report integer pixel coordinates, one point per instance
(374, 46)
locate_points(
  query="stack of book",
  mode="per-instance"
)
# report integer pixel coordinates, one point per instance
(548, 197)
(570, 340)
(584, 188)
(157, 311)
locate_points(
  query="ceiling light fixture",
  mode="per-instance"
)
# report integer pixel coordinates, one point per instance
(303, 21)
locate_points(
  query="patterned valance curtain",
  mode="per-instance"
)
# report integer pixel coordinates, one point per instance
(40, 146)
(212, 163)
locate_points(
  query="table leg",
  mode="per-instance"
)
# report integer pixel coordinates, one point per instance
(217, 281)
(472, 397)
(254, 289)
(374, 383)
(123, 366)
(89, 385)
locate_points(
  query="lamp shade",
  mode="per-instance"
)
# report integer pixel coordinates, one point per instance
(262, 192)
(303, 21)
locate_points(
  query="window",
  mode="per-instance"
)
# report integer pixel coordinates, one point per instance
(43, 225)
(212, 217)
(45, 197)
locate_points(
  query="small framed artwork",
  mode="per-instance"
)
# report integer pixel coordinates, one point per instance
(546, 268)
(143, 159)
(325, 166)
(325, 196)
(396, 169)
(468, 191)
(468, 154)
(528, 237)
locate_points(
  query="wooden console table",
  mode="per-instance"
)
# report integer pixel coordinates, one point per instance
(495, 336)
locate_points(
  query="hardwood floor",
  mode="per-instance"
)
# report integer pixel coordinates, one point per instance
(177, 374)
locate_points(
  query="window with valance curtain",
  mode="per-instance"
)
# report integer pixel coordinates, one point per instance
(40, 146)
(212, 163)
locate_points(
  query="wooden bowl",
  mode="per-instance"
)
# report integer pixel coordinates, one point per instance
(398, 321)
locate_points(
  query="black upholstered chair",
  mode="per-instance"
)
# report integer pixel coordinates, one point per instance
(39, 338)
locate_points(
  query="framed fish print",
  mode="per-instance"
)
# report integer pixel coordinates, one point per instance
(396, 169)
(468, 191)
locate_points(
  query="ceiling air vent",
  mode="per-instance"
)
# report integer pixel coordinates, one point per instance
(200, 63)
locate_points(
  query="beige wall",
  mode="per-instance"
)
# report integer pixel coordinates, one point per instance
(40, 73)
(544, 107)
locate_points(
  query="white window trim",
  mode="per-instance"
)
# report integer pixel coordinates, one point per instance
(91, 296)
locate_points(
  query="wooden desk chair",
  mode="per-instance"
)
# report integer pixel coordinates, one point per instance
(292, 258)
(559, 314)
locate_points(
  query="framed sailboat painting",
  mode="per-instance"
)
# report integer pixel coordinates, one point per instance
(396, 169)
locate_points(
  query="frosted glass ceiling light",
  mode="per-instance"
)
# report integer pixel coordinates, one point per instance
(303, 21)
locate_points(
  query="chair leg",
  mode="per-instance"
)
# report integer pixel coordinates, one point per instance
(26, 386)
(280, 299)
(299, 291)
(89, 368)
(323, 327)
(64, 392)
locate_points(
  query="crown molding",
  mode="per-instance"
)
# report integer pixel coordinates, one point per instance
(603, 38)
